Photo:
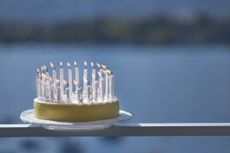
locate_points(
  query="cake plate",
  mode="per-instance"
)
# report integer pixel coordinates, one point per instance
(28, 117)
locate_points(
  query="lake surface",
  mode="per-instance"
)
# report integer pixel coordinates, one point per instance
(155, 84)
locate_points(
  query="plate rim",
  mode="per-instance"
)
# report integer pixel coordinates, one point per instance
(127, 115)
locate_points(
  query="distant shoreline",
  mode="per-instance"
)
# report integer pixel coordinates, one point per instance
(148, 31)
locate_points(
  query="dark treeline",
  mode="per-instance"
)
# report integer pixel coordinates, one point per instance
(152, 30)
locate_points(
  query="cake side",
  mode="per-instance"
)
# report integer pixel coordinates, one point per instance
(76, 112)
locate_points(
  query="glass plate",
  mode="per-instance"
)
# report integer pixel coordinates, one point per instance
(28, 117)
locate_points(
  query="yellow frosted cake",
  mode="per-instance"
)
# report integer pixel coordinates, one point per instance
(64, 100)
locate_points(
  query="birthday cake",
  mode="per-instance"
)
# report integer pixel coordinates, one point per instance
(65, 100)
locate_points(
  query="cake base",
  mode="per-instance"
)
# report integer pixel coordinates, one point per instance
(76, 112)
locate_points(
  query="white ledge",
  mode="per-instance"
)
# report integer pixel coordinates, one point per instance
(123, 129)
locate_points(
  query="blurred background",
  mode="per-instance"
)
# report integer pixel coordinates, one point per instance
(171, 60)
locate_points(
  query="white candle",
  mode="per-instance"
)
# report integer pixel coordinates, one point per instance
(93, 73)
(75, 86)
(101, 87)
(79, 92)
(86, 94)
(88, 91)
(111, 86)
(76, 70)
(65, 91)
(59, 98)
(70, 80)
(94, 90)
(54, 73)
(54, 77)
(94, 83)
(52, 93)
(76, 91)
(106, 84)
(47, 83)
(43, 84)
(68, 93)
(46, 71)
(61, 79)
(38, 83)
(48, 93)
(85, 81)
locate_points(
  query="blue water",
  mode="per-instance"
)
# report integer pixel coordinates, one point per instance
(155, 84)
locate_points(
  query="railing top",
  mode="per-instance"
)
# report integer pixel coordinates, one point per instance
(123, 129)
